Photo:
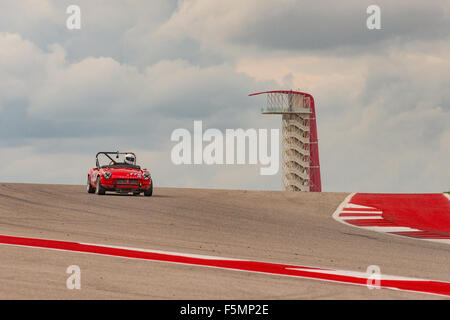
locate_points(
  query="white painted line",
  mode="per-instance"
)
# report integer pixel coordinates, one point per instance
(368, 212)
(352, 205)
(361, 218)
(341, 207)
(391, 229)
(446, 241)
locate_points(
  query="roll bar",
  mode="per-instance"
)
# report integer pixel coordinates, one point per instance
(116, 153)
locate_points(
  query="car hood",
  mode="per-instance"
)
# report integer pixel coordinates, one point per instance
(125, 172)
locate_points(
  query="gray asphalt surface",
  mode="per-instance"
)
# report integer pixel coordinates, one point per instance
(281, 227)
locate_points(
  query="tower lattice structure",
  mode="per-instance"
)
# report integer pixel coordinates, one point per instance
(300, 150)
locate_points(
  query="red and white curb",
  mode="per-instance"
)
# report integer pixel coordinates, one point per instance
(371, 218)
(337, 276)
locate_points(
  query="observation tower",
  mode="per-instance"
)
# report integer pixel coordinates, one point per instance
(300, 150)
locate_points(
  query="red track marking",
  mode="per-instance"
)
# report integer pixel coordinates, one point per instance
(430, 212)
(419, 216)
(371, 223)
(348, 277)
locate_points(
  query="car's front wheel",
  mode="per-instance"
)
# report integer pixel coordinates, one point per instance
(99, 189)
(90, 189)
(149, 192)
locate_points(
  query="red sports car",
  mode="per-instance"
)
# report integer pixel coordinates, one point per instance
(120, 174)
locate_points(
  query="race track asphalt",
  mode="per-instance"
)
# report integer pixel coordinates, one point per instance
(270, 226)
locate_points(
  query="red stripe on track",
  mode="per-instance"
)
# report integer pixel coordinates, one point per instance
(371, 223)
(424, 286)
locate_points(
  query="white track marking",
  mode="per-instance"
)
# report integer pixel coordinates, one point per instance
(369, 212)
(391, 229)
(361, 218)
(341, 206)
(357, 206)
(446, 241)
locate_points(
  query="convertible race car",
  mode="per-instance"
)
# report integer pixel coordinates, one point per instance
(119, 174)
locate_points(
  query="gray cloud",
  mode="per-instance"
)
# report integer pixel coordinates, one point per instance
(305, 25)
(328, 25)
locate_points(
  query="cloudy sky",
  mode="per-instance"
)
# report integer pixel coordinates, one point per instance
(137, 70)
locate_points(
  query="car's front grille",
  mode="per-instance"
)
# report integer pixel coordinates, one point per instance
(127, 181)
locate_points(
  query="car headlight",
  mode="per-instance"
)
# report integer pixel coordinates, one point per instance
(146, 175)
(107, 175)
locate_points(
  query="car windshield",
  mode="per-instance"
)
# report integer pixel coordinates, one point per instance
(114, 161)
